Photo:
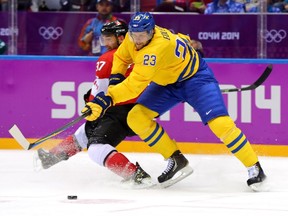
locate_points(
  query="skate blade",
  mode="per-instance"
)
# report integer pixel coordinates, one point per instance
(180, 175)
(37, 164)
(146, 184)
(261, 186)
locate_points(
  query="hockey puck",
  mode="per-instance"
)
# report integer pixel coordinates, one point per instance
(72, 197)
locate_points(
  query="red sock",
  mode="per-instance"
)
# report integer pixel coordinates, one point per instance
(120, 165)
(68, 146)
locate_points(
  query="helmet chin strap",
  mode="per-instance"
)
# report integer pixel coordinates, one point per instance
(118, 42)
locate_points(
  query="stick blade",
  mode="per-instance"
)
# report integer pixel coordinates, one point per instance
(256, 84)
(264, 76)
(19, 137)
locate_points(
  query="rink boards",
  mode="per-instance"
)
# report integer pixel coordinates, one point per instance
(41, 94)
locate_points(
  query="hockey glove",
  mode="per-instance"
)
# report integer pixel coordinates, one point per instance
(87, 96)
(116, 79)
(98, 106)
(197, 45)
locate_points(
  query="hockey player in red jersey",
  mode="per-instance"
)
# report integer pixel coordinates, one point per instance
(101, 137)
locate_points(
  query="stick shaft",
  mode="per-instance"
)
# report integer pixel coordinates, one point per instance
(56, 132)
(19, 137)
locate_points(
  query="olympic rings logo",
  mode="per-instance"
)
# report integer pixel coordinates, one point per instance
(50, 32)
(274, 35)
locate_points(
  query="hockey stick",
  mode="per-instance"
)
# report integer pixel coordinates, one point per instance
(256, 84)
(19, 137)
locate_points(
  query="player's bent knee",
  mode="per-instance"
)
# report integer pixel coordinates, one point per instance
(99, 152)
(222, 126)
(139, 118)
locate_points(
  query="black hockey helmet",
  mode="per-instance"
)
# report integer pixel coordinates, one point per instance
(117, 28)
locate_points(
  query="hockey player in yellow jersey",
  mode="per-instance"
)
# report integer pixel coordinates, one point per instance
(174, 72)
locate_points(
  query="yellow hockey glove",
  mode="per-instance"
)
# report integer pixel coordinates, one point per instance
(98, 106)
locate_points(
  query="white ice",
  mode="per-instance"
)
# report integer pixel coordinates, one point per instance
(217, 187)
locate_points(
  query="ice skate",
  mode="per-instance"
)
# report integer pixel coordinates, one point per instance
(177, 169)
(140, 179)
(44, 159)
(257, 178)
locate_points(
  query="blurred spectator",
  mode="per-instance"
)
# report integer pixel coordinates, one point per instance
(3, 5)
(250, 5)
(34, 6)
(224, 6)
(121, 5)
(66, 5)
(285, 5)
(53, 5)
(89, 38)
(3, 47)
(24, 5)
(198, 6)
(273, 6)
(77, 5)
(43, 6)
(148, 5)
(169, 6)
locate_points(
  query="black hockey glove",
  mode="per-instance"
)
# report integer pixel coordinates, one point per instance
(87, 96)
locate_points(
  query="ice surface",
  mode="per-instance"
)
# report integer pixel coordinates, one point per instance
(217, 187)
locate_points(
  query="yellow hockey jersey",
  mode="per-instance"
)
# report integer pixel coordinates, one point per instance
(167, 59)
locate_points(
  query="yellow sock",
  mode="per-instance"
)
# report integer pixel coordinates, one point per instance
(140, 120)
(225, 129)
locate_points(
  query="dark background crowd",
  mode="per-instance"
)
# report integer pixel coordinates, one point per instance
(194, 6)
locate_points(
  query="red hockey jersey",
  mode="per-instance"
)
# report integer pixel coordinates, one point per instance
(102, 73)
